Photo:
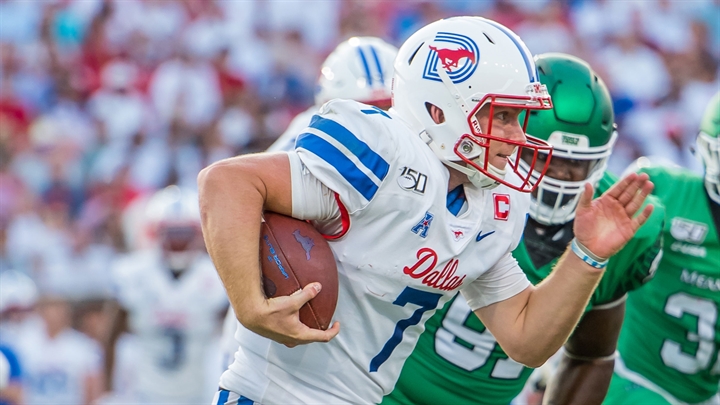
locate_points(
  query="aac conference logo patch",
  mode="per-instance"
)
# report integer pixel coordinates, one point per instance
(458, 55)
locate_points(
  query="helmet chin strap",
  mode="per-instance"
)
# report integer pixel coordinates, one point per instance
(477, 178)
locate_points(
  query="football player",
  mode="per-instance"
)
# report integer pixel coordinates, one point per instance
(359, 69)
(408, 191)
(670, 343)
(457, 359)
(171, 299)
(60, 364)
(10, 377)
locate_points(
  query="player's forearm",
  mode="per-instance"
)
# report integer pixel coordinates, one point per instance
(580, 381)
(231, 205)
(554, 308)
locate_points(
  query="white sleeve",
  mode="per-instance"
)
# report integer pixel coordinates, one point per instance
(504, 280)
(349, 150)
(311, 199)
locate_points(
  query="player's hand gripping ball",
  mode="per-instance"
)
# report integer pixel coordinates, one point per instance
(292, 255)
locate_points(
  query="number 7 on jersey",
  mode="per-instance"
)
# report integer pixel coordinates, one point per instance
(426, 300)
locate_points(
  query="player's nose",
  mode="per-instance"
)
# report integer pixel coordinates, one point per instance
(558, 170)
(515, 133)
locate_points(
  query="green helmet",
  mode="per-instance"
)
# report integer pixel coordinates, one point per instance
(708, 146)
(581, 126)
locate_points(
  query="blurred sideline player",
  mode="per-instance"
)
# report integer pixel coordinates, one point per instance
(670, 343)
(171, 300)
(11, 392)
(18, 296)
(359, 69)
(407, 190)
(61, 365)
(457, 360)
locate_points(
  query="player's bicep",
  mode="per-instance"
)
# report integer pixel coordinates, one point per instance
(597, 332)
(230, 185)
(273, 171)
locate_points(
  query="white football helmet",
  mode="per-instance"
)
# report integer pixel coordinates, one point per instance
(360, 69)
(173, 214)
(708, 147)
(17, 291)
(580, 128)
(460, 64)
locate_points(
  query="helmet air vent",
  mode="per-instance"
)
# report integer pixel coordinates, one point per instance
(415, 53)
(488, 38)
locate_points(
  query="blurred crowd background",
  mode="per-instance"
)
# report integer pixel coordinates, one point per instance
(103, 102)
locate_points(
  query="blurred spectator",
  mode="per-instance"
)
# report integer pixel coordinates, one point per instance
(634, 71)
(21, 21)
(118, 107)
(665, 27)
(545, 29)
(185, 90)
(18, 296)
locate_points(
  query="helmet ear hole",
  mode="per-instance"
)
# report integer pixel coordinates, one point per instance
(436, 113)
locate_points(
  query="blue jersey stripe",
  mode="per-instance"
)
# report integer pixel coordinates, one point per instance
(367, 156)
(245, 401)
(329, 153)
(528, 62)
(223, 397)
(365, 64)
(377, 63)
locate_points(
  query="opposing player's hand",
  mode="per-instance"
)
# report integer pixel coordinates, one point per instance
(278, 319)
(606, 224)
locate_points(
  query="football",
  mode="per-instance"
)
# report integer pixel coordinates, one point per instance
(292, 255)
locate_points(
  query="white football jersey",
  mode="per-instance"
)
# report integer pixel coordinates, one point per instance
(404, 255)
(55, 369)
(174, 320)
(228, 344)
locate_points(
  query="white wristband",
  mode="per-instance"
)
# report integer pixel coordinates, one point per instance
(587, 256)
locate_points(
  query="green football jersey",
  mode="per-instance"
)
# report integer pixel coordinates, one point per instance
(671, 334)
(457, 360)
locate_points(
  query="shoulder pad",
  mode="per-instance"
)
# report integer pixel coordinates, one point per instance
(350, 147)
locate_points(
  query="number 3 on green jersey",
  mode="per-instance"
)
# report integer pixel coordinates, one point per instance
(676, 354)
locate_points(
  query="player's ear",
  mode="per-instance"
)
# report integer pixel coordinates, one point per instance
(436, 113)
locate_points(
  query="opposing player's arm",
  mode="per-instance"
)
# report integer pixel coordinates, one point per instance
(532, 325)
(233, 194)
(586, 365)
